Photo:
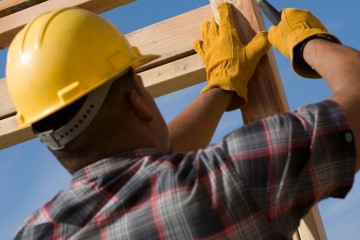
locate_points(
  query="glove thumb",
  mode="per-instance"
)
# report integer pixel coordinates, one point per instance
(258, 46)
(198, 47)
(277, 42)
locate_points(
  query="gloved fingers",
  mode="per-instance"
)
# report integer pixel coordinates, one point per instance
(198, 47)
(205, 30)
(213, 29)
(298, 14)
(293, 17)
(288, 13)
(287, 16)
(227, 22)
(258, 46)
(225, 14)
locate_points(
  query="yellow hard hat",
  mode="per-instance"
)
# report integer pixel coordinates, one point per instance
(61, 56)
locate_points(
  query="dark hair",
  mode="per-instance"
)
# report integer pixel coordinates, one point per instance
(59, 118)
(64, 115)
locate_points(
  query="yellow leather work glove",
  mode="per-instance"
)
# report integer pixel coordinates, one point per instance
(295, 29)
(228, 62)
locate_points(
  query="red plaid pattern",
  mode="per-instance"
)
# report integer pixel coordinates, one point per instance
(256, 184)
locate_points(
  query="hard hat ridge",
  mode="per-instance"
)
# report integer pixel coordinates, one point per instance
(61, 56)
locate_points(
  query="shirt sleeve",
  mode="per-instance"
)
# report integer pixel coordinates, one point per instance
(292, 161)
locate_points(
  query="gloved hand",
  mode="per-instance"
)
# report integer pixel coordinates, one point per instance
(228, 62)
(295, 29)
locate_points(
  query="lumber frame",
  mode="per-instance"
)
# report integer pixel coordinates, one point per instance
(8, 7)
(159, 81)
(176, 69)
(158, 38)
(266, 83)
(12, 23)
(266, 80)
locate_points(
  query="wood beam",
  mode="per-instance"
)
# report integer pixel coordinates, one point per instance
(266, 80)
(13, 23)
(11, 135)
(174, 76)
(159, 81)
(266, 95)
(7, 109)
(159, 38)
(8, 7)
(172, 38)
(311, 226)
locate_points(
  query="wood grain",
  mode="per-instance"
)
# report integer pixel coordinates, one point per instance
(159, 81)
(161, 38)
(266, 95)
(11, 24)
(8, 7)
(165, 38)
(6, 107)
(10, 135)
(265, 91)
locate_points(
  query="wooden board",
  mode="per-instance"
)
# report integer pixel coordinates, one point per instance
(311, 226)
(266, 94)
(8, 7)
(266, 79)
(159, 38)
(11, 135)
(169, 33)
(161, 80)
(11, 24)
(180, 72)
(6, 107)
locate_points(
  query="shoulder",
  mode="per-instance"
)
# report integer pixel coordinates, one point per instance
(46, 221)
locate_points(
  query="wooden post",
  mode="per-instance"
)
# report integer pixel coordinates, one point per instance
(266, 95)
(265, 92)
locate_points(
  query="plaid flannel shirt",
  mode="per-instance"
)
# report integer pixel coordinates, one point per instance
(256, 184)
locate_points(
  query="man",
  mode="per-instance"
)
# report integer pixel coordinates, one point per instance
(134, 178)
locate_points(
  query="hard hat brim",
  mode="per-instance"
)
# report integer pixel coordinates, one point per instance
(144, 59)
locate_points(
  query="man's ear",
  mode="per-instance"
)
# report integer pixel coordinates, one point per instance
(139, 107)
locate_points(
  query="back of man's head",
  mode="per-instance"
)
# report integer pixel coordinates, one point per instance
(60, 67)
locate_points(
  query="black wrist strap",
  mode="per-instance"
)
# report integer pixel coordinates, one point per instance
(298, 62)
(317, 36)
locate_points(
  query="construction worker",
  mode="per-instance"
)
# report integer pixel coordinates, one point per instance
(71, 76)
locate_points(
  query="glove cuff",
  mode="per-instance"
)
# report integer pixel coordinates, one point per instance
(239, 99)
(298, 62)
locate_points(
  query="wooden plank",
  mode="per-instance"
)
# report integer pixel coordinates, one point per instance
(159, 81)
(266, 94)
(167, 38)
(296, 236)
(13, 23)
(8, 7)
(159, 38)
(266, 80)
(311, 226)
(174, 76)
(11, 135)
(6, 107)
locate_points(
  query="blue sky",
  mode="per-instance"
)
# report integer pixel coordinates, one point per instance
(30, 176)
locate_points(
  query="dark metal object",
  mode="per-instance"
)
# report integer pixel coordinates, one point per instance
(270, 12)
